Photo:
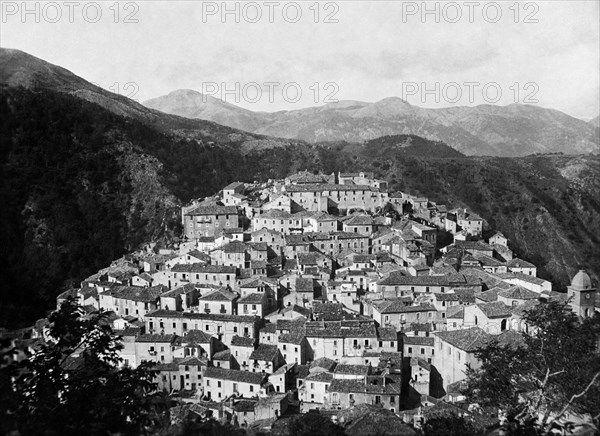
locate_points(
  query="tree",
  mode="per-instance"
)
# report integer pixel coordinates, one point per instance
(73, 384)
(549, 374)
(449, 425)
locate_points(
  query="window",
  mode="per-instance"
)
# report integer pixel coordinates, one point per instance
(251, 388)
(409, 350)
(207, 382)
(218, 384)
(422, 350)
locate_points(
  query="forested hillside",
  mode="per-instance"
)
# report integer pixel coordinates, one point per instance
(82, 185)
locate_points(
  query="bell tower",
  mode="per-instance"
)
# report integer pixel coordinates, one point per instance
(582, 295)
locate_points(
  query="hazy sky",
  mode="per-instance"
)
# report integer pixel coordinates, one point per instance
(463, 53)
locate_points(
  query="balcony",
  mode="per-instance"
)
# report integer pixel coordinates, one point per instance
(152, 353)
(206, 310)
(223, 311)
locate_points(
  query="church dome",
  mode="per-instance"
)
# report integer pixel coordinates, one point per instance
(581, 280)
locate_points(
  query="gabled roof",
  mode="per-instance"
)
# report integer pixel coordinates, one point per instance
(134, 293)
(352, 369)
(222, 355)
(387, 334)
(398, 306)
(254, 298)
(213, 209)
(519, 263)
(235, 375)
(324, 363)
(219, 295)
(396, 278)
(156, 338)
(495, 309)
(265, 352)
(242, 341)
(197, 336)
(304, 285)
(519, 293)
(201, 268)
(467, 340)
(419, 340)
(359, 220)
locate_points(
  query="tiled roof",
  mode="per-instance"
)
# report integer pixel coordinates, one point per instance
(254, 298)
(265, 352)
(495, 309)
(326, 377)
(335, 329)
(222, 355)
(219, 295)
(446, 297)
(307, 177)
(201, 268)
(242, 341)
(467, 340)
(156, 338)
(387, 334)
(456, 313)
(304, 285)
(201, 316)
(396, 278)
(519, 263)
(197, 336)
(390, 387)
(352, 369)
(519, 293)
(134, 293)
(399, 306)
(234, 185)
(359, 220)
(234, 247)
(419, 340)
(213, 209)
(269, 328)
(235, 375)
(311, 187)
(325, 363)
(488, 296)
(465, 295)
(472, 245)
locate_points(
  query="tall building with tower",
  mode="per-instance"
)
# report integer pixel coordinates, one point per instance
(582, 295)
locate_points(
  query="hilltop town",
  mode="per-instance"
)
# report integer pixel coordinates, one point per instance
(318, 292)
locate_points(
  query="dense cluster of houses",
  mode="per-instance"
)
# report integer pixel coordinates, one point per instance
(318, 292)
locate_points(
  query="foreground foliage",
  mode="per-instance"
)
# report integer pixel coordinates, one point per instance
(551, 376)
(73, 383)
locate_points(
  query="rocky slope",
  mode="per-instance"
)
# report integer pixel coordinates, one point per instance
(513, 130)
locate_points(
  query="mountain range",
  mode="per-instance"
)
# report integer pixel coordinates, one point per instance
(513, 130)
(88, 175)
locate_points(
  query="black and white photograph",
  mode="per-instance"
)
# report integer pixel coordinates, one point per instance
(300, 218)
